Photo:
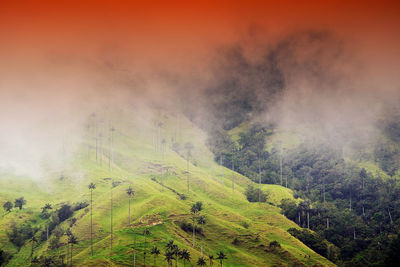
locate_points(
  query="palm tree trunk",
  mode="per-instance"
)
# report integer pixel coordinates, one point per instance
(194, 235)
(145, 250)
(187, 162)
(91, 222)
(129, 209)
(111, 206)
(201, 241)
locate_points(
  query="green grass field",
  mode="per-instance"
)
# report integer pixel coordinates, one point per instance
(242, 230)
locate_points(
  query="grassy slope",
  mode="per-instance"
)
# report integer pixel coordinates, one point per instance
(136, 162)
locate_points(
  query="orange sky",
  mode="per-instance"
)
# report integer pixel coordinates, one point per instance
(176, 31)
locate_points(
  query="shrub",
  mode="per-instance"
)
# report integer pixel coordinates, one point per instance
(64, 212)
(19, 234)
(311, 240)
(80, 205)
(274, 244)
(252, 194)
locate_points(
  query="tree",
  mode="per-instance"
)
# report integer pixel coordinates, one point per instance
(185, 256)
(197, 207)
(188, 147)
(73, 241)
(201, 220)
(169, 255)
(221, 257)
(130, 193)
(92, 186)
(20, 202)
(211, 259)
(46, 215)
(201, 262)
(146, 232)
(176, 251)
(155, 251)
(8, 206)
(33, 241)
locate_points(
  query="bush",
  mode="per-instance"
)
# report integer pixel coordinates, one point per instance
(252, 194)
(64, 212)
(187, 227)
(80, 205)
(274, 244)
(4, 257)
(19, 234)
(311, 240)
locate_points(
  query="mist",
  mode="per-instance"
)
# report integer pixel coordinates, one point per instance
(324, 82)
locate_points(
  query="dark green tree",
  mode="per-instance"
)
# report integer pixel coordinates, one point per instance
(185, 256)
(201, 262)
(20, 202)
(201, 220)
(155, 252)
(221, 257)
(8, 206)
(130, 193)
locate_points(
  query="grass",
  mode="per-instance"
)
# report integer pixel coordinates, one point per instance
(136, 163)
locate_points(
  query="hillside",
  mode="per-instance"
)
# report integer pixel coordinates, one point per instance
(242, 230)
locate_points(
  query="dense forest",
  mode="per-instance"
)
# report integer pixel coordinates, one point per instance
(354, 214)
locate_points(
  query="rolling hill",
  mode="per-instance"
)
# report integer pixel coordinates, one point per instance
(242, 230)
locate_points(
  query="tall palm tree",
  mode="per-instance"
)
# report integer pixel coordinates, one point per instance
(111, 215)
(92, 186)
(45, 208)
(155, 251)
(130, 193)
(211, 259)
(176, 251)
(196, 208)
(221, 257)
(201, 220)
(188, 147)
(201, 262)
(145, 234)
(163, 142)
(33, 241)
(73, 241)
(169, 255)
(185, 256)
(112, 147)
(170, 244)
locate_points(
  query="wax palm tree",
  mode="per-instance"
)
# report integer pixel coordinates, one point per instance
(197, 207)
(33, 241)
(221, 257)
(211, 259)
(176, 251)
(91, 186)
(130, 193)
(155, 251)
(145, 234)
(169, 255)
(201, 220)
(170, 244)
(73, 241)
(201, 262)
(188, 147)
(185, 256)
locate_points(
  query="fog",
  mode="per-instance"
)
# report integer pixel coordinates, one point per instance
(328, 81)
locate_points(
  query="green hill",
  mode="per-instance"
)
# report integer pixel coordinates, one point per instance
(242, 230)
